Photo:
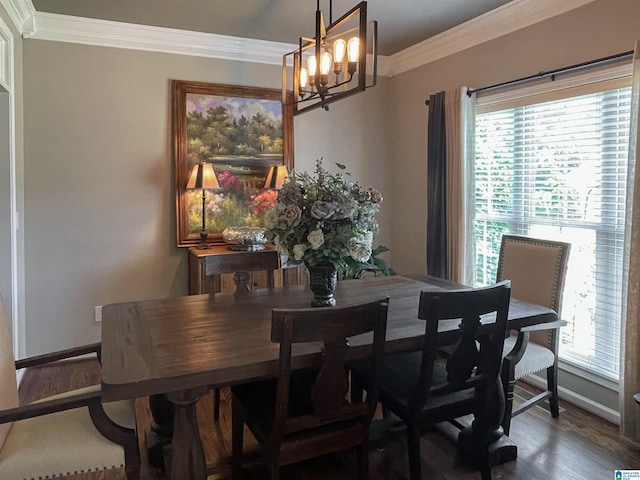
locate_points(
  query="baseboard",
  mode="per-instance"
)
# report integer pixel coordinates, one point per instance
(579, 401)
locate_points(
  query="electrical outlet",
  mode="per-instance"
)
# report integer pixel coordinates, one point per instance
(98, 313)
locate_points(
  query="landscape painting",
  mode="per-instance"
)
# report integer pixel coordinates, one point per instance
(242, 132)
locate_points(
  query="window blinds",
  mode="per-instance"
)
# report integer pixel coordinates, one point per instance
(554, 166)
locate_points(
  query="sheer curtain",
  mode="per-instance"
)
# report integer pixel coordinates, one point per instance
(630, 367)
(449, 189)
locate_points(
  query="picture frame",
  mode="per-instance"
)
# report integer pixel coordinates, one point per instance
(242, 132)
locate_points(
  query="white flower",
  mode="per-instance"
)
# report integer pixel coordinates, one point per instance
(316, 239)
(360, 247)
(298, 251)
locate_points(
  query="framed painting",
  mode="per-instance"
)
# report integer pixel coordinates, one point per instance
(242, 132)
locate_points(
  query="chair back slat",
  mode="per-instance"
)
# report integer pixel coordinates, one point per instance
(331, 327)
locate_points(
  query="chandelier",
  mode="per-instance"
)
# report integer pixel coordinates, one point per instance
(338, 61)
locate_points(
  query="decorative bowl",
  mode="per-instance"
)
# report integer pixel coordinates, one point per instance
(249, 239)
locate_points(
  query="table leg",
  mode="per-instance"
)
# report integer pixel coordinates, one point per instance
(186, 459)
(160, 431)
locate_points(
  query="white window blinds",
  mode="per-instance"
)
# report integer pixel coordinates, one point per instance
(553, 165)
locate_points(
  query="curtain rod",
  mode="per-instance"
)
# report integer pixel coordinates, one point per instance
(552, 74)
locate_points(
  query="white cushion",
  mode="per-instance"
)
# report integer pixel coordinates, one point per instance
(536, 357)
(9, 390)
(62, 443)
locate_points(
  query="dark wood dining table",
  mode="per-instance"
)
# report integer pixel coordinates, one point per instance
(184, 346)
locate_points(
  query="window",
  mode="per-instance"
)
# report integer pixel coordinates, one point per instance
(554, 166)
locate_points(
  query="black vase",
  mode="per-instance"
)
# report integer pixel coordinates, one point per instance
(323, 278)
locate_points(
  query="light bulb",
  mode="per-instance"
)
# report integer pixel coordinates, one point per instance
(325, 63)
(304, 77)
(312, 65)
(325, 66)
(339, 49)
(353, 49)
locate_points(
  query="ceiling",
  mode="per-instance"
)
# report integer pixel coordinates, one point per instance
(401, 23)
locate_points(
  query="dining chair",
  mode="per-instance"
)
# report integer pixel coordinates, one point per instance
(536, 269)
(68, 433)
(303, 414)
(423, 388)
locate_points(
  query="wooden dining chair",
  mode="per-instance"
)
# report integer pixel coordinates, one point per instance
(536, 269)
(305, 414)
(64, 434)
(422, 388)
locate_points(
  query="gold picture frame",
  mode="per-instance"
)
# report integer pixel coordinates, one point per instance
(242, 131)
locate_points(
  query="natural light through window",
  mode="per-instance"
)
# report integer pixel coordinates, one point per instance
(557, 170)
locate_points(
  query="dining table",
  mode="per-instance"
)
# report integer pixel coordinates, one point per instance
(182, 347)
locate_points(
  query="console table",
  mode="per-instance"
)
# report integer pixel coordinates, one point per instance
(219, 269)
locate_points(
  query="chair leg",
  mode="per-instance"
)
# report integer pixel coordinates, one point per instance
(132, 460)
(362, 457)
(237, 433)
(552, 385)
(274, 466)
(413, 448)
(508, 385)
(485, 465)
(216, 403)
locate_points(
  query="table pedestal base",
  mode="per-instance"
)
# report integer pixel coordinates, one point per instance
(159, 434)
(502, 450)
(185, 459)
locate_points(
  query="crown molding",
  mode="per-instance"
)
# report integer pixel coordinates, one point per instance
(512, 16)
(22, 14)
(509, 18)
(65, 28)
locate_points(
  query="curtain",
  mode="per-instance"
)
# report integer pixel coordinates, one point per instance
(630, 335)
(436, 184)
(449, 185)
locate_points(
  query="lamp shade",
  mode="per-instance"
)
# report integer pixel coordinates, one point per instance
(203, 176)
(276, 176)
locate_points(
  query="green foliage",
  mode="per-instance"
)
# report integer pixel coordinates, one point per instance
(219, 133)
(374, 265)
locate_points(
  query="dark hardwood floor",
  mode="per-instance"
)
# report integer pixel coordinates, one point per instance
(576, 446)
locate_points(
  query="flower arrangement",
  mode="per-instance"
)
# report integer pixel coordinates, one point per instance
(326, 218)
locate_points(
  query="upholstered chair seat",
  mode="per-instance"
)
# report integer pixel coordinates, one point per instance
(55, 440)
(536, 358)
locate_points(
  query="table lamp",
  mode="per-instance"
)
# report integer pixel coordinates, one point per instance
(204, 177)
(276, 176)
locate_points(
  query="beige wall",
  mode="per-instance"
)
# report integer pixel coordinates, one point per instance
(597, 30)
(100, 211)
